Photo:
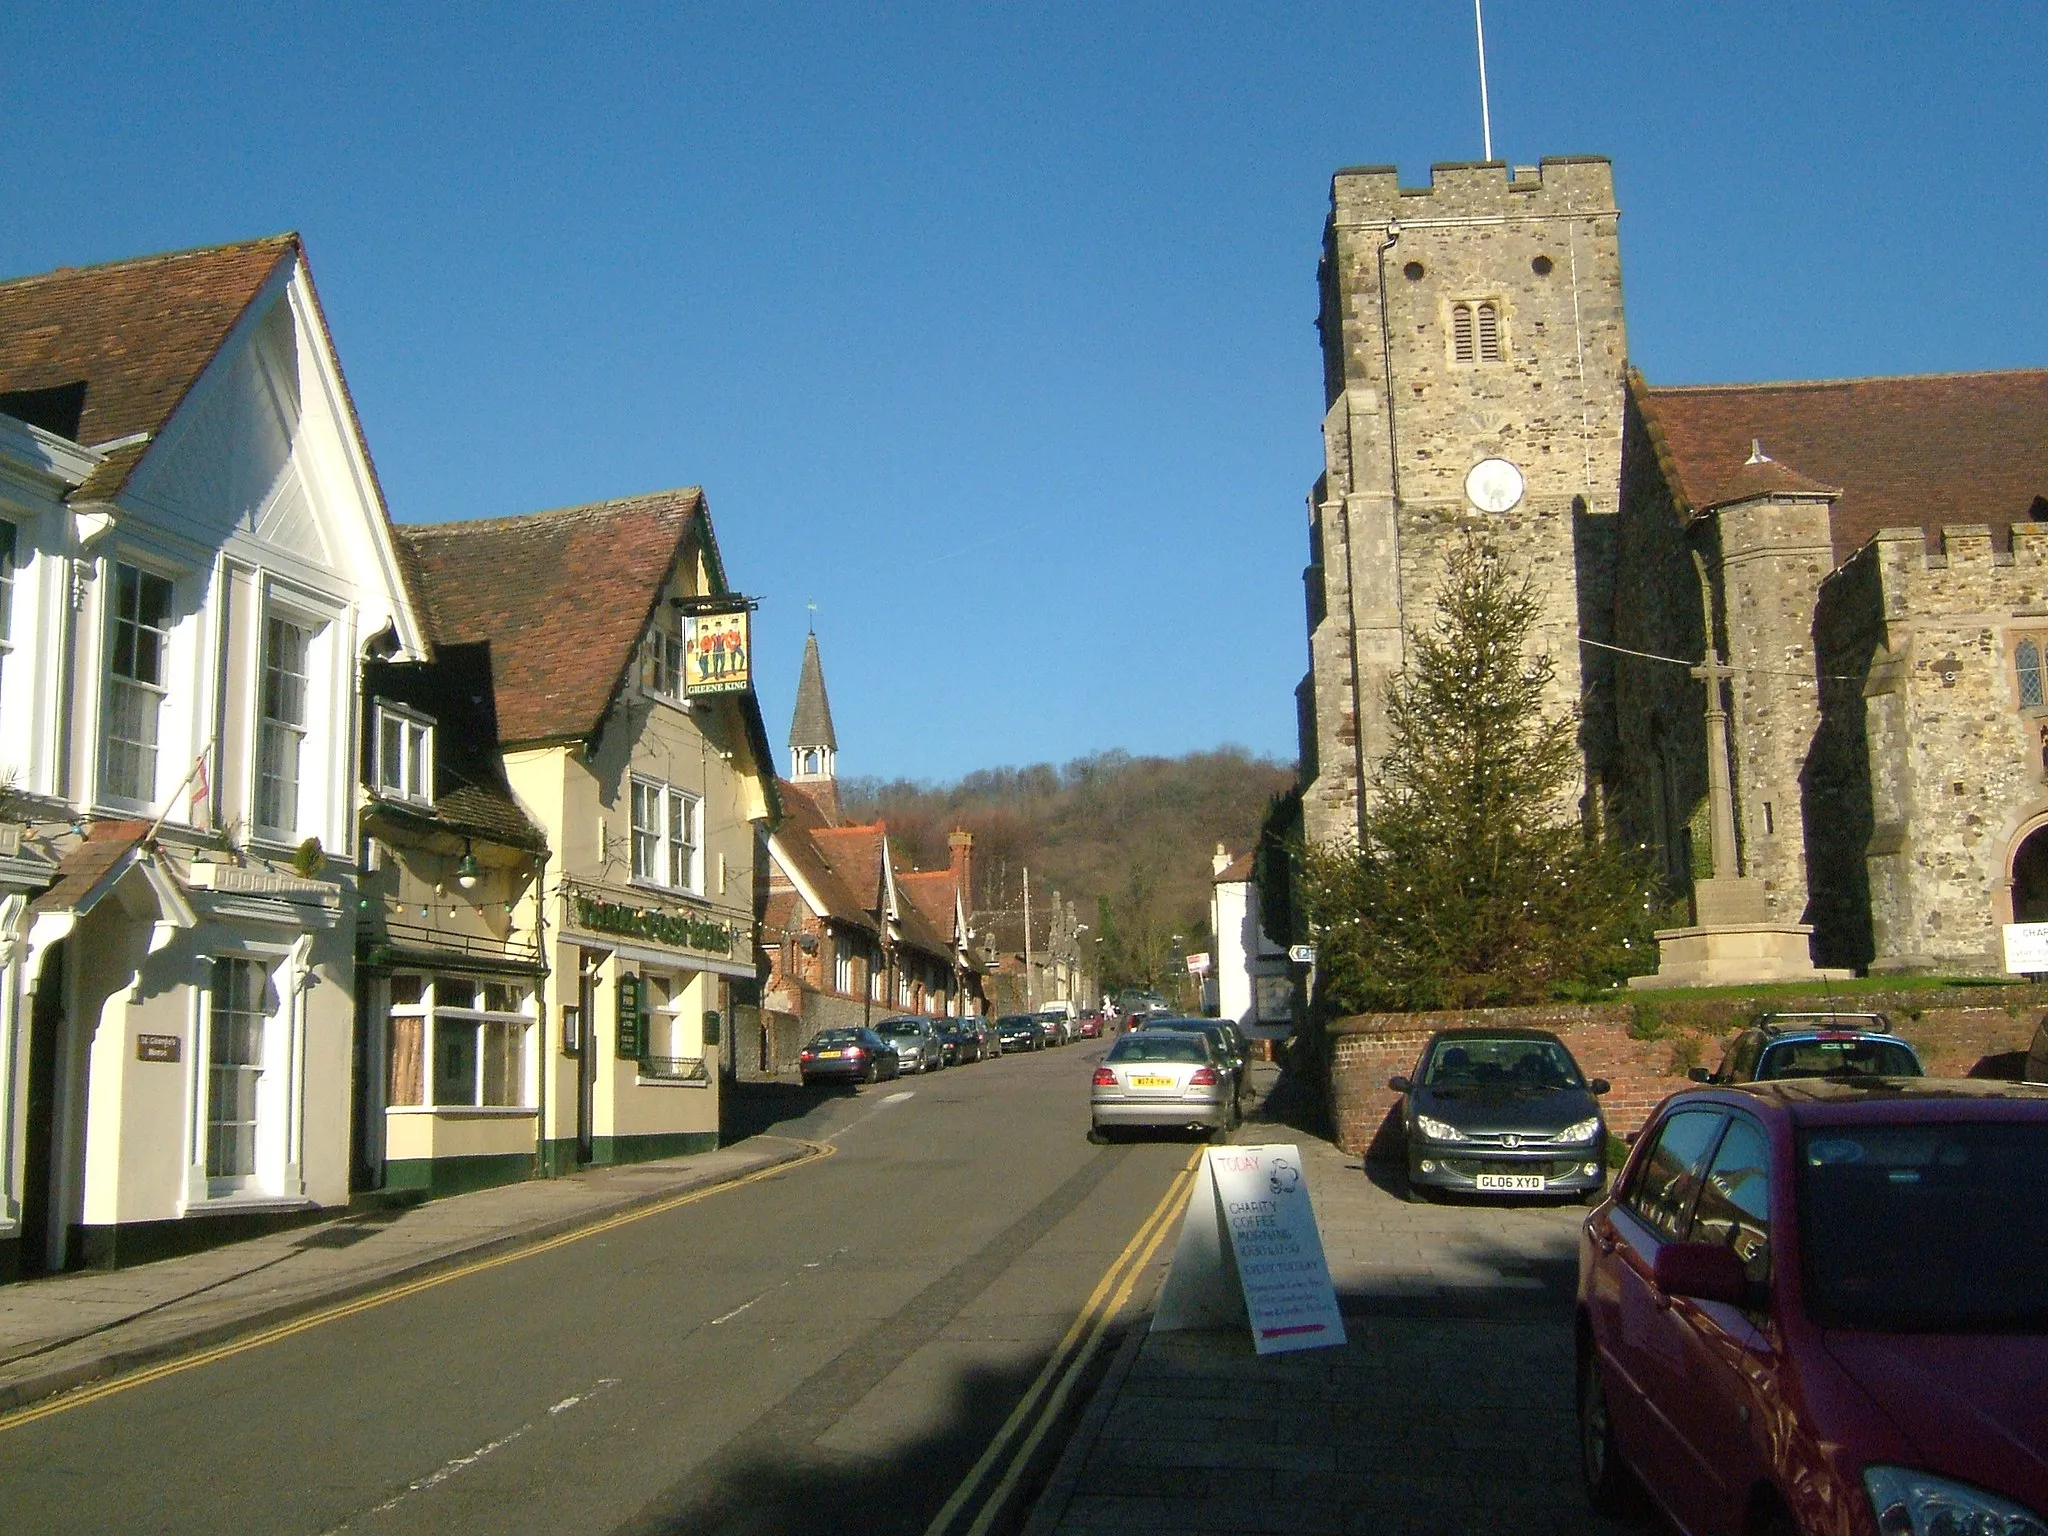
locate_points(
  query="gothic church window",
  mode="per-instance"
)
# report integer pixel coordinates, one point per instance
(1476, 332)
(2027, 663)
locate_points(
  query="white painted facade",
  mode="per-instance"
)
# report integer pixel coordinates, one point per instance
(1251, 982)
(249, 539)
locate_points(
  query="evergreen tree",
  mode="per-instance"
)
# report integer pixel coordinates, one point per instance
(1478, 883)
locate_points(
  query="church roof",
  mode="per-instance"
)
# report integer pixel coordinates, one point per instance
(1912, 452)
(812, 724)
(97, 354)
(562, 597)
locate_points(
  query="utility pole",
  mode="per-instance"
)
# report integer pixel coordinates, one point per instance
(1029, 1007)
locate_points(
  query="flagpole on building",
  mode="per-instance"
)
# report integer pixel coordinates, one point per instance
(1485, 111)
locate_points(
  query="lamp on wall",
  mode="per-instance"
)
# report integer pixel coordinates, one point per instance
(467, 870)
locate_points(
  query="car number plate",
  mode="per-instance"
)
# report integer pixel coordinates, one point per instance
(830, 1055)
(1532, 1182)
(1137, 1081)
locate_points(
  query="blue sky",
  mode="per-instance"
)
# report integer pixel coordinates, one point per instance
(989, 330)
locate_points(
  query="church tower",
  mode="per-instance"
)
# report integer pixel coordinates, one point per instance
(1474, 365)
(812, 744)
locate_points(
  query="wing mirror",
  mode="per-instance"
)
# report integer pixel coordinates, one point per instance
(1701, 1075)
(1598, 1086)
(1400, 1085)
(1704, 1271)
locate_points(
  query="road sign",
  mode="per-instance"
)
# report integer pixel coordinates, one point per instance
(1302, 954)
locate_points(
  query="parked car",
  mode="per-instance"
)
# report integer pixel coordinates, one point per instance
(1225, 1045)
(1056, 1027)
(916, 1042)
(1089, 1025)
(1502, 1112)
(1817, 1305)
(2037, 1055)
(949, 1041)
(1167, 1079)
(1020, 1032)
(1814, 1045)
(847, 1056)
(976, 1041)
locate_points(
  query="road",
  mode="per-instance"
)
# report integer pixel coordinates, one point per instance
(830, 1348)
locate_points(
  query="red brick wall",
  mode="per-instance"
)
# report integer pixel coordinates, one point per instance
(1364, 1051)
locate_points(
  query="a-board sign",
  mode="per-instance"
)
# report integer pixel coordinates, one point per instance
(158, 1048)
(2026, 948)
(1250, 1254)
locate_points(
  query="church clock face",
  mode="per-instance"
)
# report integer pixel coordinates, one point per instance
(1494, 485)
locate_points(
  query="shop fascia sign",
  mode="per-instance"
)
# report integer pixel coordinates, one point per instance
(683, 930)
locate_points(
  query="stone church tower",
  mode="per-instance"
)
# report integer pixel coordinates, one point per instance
(1474, 366)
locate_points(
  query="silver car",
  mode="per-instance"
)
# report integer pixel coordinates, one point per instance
(1167, 1079)
(918, 1047)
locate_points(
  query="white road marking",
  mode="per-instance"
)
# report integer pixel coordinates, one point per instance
(813, 1264)
(736, 1311)
(898, 1098)
(448, 1469)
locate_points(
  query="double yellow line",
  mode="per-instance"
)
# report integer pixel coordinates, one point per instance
(92, 1394)
(1043, 1405)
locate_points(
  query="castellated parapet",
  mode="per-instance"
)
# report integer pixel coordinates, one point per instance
(1478, 318)
(1957, 776)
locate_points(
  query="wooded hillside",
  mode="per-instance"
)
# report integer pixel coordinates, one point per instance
(1127, 839)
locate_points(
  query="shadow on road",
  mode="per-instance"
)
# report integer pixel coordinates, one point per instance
(750, 1109)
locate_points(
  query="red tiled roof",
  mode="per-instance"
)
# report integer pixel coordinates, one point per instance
(796, 841)
(1237, 869)
(136, 334)
(854, 854)
(87, 863)
(928, 910)
(562, 597)
(1913, 452)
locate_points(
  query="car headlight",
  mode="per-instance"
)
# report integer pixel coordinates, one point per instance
(1437, 1130)
(1910, 1503)
(1585, 1130)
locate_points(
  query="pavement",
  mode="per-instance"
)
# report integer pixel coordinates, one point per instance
(1449, 1408)
(66, 1331)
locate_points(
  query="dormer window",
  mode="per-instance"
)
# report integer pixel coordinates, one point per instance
(404, 769)
(1476, 332)
(661, 667)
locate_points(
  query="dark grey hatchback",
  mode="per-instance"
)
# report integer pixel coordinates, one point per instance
(1502, 1112)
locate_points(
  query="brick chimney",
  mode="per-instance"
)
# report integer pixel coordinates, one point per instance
(961, 844)
(1221, 861)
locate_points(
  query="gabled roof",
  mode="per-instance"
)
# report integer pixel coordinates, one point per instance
(931, 914)
(1237, 870)
(795, 843)
(1913, 452)
(97, 354)
(811, 725)
(855, 855)
(83, 871)
(562, 598)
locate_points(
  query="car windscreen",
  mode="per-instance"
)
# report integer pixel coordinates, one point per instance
(1159, 1045)
(1017, 1021)
(1473, 1061)
(899, 1031)
(1925, 1228)
(1838, 1058)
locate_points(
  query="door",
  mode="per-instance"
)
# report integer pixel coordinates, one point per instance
(1647, 1353)
(586, 1064)
(39, 1168)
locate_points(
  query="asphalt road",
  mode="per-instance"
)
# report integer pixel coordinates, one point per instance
(827, 1349)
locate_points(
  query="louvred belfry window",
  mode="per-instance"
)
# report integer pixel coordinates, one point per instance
(1476, 333)
(1489, 333)
(1461, 333)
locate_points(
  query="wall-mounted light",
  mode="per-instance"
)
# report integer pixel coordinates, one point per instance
(467, 870)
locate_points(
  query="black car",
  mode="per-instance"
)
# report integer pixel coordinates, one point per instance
(1020, 1032)
(1502, 1112)
(847, 1056)
(1814, 1045)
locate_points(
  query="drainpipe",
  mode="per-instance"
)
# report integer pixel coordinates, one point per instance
(546, 1055)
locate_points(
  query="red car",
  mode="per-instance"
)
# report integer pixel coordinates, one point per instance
(1090, 1026)
(1821, 1306)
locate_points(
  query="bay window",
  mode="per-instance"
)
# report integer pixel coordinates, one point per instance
(474, 1033)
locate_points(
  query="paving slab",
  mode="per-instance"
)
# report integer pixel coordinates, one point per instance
(1449, 1408)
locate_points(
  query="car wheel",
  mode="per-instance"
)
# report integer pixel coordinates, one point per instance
(1098, 1136)
(1609, 1488)
(873, 1073)
(1594, 1195)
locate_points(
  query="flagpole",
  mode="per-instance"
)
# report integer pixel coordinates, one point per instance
(1485, 111)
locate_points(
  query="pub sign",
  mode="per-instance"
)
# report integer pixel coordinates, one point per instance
(717, 653)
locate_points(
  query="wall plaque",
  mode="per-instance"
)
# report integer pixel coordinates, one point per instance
(158, 1048)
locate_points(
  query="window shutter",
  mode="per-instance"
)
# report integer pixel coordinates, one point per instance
(1489, 333)
(1461, 333)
